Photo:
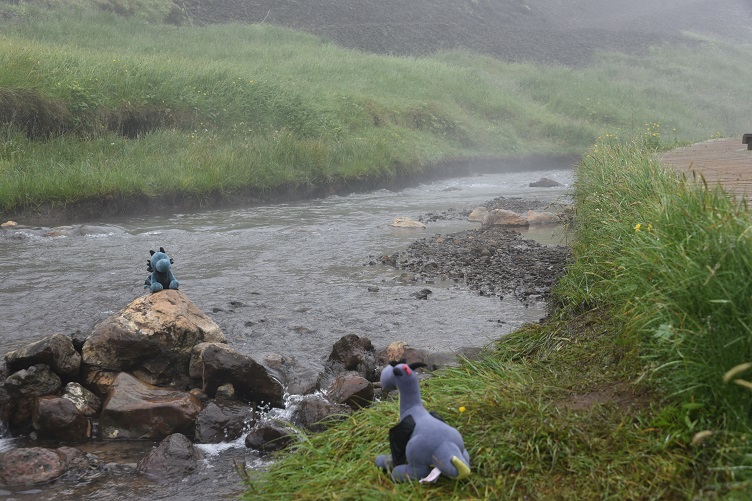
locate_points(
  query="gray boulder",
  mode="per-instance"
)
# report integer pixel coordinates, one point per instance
(25, 386)
(268, 437)
(221, 365)
(55, 351)
(316, 414)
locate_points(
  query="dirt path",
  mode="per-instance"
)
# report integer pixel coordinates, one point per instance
(725, 161)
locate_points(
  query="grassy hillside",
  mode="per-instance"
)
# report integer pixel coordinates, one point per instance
(95, 106)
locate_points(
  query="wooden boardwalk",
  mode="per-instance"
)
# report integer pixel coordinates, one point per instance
(725, 161)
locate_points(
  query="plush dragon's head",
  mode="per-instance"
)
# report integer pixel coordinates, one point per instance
(159, 261)
(401, 375)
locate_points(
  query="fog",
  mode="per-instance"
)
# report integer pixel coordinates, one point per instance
(560, 32)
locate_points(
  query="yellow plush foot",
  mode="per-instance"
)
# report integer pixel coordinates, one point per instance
(463, 470)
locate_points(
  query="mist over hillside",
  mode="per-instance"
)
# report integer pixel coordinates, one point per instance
(565, 32)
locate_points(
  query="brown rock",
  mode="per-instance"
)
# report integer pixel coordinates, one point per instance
(137, 410)
(401, 351)
(352, 389)
(59, 419)
(152, 338)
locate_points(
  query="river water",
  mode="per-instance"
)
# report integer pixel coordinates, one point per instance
(287, 279)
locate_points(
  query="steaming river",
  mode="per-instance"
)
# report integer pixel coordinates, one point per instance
(287, 279)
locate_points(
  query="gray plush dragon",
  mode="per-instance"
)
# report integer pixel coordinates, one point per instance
(422, 444)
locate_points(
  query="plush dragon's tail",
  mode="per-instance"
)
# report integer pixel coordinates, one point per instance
(452, 461)
(463, 469)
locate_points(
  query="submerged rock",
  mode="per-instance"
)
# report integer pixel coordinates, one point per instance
(31, 466)
(223, 422)
(406, 222)
(174, 458)
(545, 182)
(269, 437)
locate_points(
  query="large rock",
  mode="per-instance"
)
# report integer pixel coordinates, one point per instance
(478, 214)
(174, 458)
(353, 353)
(136, 410)
(503, 217)
(31, 466)
(535, 217)
(58, 418)
(152, 338)
(55, 351)
(221, 365)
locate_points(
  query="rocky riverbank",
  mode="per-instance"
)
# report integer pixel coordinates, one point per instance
(162, 370)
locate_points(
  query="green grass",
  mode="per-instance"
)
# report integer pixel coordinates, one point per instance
(525, 435)
(674, 257)
(95, 105)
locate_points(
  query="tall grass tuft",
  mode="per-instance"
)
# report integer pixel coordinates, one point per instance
(673, 257)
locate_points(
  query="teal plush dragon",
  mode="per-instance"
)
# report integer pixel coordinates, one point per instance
(160, 267)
